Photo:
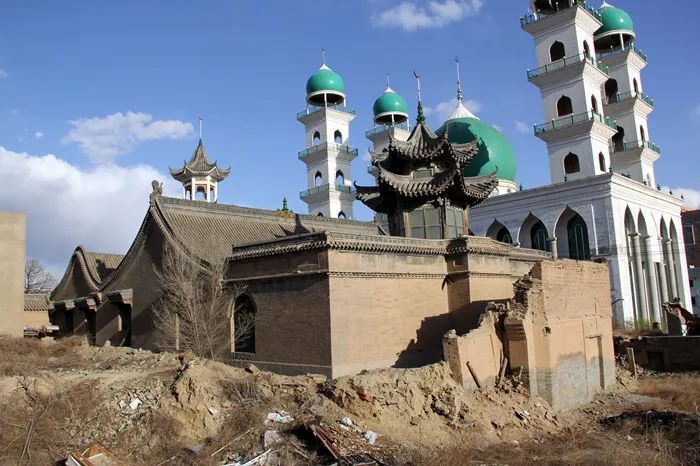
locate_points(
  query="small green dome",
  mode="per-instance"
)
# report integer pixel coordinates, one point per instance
(390, 102)
(495, 150)
(325, 79)
(614, 19)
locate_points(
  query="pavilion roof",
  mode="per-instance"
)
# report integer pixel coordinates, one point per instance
(199, 166)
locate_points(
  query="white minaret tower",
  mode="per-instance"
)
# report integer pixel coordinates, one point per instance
(571, 80)
(632, 152)
(328, 155)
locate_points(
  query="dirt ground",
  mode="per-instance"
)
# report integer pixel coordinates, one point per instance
(170, 409)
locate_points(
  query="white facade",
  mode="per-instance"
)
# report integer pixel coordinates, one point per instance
(328, 157)
(606, 204)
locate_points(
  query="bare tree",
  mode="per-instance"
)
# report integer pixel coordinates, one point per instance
(36, 278)
(195, 308)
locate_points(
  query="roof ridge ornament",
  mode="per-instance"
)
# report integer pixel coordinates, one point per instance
(459, 82)
(323, 60)
(420, 118)
(388, 85)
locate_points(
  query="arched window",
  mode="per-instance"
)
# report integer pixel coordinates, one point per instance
(318, 179)
(317, 138)
(342, 216)
(571, 164)
(578, 239)
(557, 51)
(338, 137)
(619, 140)
(320, 214)
(539, 237)
(594, 104)
(503, 236)
(642, 133)
(201, 194)
(611, 90)
(635, 86)
(601, 162)
(243, 328)
(339, 178)
(564, 106)
(586, 49)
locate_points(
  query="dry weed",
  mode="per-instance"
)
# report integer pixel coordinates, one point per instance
(681, 391)
(25, 356)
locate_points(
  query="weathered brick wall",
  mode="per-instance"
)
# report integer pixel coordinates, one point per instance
(667, 353)
(12, 244)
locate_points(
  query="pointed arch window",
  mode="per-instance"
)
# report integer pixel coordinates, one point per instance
(571, 164)
(577, 230)
(642, 133)
(557, 51)
(594, 104)
(539, 237)
(339, 178)
(318, 179)
(611, 90)
(342, 216)
(338, 137)
(564, 106)
(601, 162)
(316, 140)
(503, 235)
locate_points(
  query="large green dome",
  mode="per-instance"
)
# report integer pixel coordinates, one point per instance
(495, 150)
(325, 80)
(390, 102)
(614, 19)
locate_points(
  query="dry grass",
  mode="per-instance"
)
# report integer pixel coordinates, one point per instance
(25, 356)
(680, 391)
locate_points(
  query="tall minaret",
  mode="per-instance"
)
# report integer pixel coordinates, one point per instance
(632, 152)
(570, 79)
(328, 155)
(199, 176)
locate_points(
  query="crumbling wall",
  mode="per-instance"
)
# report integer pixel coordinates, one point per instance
(557, 334)
(674, 353)
(12, 244)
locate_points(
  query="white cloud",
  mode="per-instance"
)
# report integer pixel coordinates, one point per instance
(522, 127)
(3, 73)
(38, 135)
(443, 110)
(692, 196)
(104, 139)
(412, 15)
(101, 207)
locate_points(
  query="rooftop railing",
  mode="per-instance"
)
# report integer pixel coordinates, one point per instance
(620, 96)
(573, 120)
(313, 109)
(325, 187)
(620, 50)
(635, 145)
(538, 15)
(379, 129)
(327, 145)
(564, 63)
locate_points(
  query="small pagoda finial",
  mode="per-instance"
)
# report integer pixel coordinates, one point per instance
(200, 128)
(459, 82)
(284, 204)
(420, 118)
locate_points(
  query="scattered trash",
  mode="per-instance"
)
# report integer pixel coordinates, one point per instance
(522, 414)
(260, 459)
(370, 436)
(271, 437)
(282, 417)
(346, 421)
(122, 404)
(213, 411)
(252, 369)
(196, 449)
(96, 455)
(135, 403)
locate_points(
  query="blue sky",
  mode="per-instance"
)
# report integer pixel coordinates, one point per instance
(113, 90)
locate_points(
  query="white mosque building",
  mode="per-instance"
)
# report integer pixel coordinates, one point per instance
(603, 201)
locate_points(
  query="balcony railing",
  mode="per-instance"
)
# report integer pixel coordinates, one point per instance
(620, 96)
(325, 187)
(573, 120)
(381, 128)
(327, 145)
(564, 63)
(620, 50)
(635, 145)
(312, 109)
(534, 17)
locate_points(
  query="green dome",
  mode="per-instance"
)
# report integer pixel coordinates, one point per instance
(325, 79)
(390, 102)
(495, 150)
(614, 19)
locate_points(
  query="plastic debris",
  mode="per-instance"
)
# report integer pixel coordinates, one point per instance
(282, 417)
(346, 421)
(213, 411)
(370, 436)
(135, 403)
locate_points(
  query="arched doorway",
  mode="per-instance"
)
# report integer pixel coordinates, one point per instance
(577, 230)
(611, 90)
(557, 51)
(564, 106)
(499, 232)
(539, 237)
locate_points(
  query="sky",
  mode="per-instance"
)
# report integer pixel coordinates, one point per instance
(99, 98)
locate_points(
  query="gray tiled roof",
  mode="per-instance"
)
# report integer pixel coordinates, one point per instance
(36, 302)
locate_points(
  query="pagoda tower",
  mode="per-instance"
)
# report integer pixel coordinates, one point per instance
(570, 78)
(421, 185)
(200, 176)
(328, 155)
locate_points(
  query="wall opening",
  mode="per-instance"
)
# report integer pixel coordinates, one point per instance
(601, 163)
(586, 49)
(635, 86)
(557, 51)
(316, 140)
(564, 106)
(618, 140)
(594, 104)
(243, 331)
(539, 237)
(579, 248)
(611, 89)
(571, 164)
(342, 216)
(339, 178)
(318, 179)
(338, 137)
(642, 134)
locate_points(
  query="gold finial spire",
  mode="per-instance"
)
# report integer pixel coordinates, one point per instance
(459, 81)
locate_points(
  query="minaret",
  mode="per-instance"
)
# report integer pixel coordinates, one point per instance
(570, 79)
(632, 152)
(199, 175)
(390, 119)
(328, 155)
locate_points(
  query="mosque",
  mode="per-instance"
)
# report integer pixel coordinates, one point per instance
(603, 201)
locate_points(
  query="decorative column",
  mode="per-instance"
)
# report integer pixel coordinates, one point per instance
(662, 278)
(668, 249)
(643, 309)
(553, 247)
(216, 192)
(208, 191)
(651, 277)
